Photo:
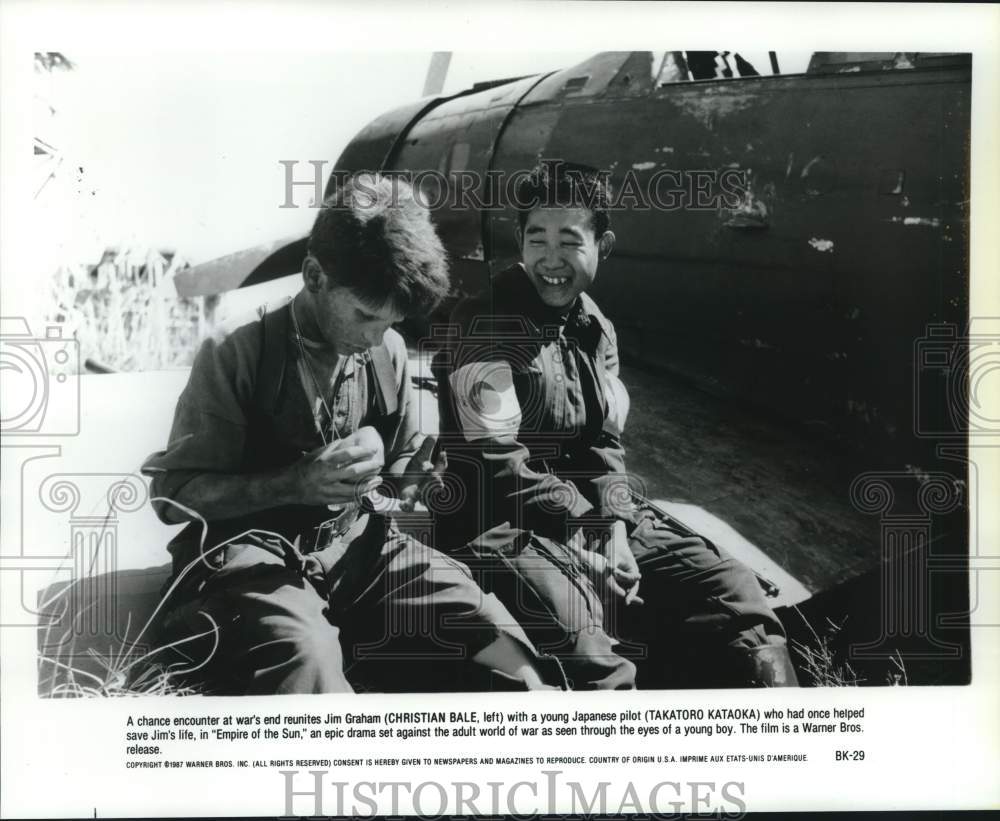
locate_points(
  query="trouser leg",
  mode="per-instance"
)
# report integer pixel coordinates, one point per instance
(414, 619)
(549, 593)
(705, 621)
(264, 630)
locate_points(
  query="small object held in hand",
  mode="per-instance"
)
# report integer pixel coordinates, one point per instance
(363, 444)
(633, 597)
(422, 458)
(422, 475)
(293, 555)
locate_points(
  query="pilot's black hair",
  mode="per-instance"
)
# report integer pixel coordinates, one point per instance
(559, 184)
(372, 236)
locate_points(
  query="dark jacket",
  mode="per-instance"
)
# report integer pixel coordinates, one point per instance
(528, 415)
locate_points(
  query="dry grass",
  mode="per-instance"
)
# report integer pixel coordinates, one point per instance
(127, 325)
(897, 676)
(128, 669)
(819, 661)
(122, 671)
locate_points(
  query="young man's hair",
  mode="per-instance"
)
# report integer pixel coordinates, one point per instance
(373, 237)
(558, 184)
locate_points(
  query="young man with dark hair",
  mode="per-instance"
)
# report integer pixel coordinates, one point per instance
(534, 425)
(287, 579)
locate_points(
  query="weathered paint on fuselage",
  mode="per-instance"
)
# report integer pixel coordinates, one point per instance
(807, 292)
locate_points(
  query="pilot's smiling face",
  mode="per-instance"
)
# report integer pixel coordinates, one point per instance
(561, 253)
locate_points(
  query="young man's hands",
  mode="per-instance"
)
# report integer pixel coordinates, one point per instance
(336, 474)
(345, 470)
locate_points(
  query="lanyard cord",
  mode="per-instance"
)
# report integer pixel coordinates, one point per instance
(312, 375)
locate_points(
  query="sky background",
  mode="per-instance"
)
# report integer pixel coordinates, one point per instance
(182, 150)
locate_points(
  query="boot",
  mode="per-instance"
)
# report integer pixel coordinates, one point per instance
(769, 665)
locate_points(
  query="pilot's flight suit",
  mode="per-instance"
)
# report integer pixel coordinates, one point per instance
(374, 609)
(531, 421)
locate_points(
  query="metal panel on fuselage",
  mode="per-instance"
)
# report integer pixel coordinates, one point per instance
(812, 311)
(855, 233)
(456, 141)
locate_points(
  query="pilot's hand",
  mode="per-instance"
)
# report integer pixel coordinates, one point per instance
(421, 476)
(610, 565)
(625, 574)
(341, 472)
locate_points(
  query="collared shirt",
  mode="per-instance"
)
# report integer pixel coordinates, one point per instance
(211, 431)
(333, 389)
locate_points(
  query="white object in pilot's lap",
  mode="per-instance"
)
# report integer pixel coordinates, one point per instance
(616, 395)
(486, 400)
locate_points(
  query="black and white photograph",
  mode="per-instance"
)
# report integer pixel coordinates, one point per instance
(429, 393)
